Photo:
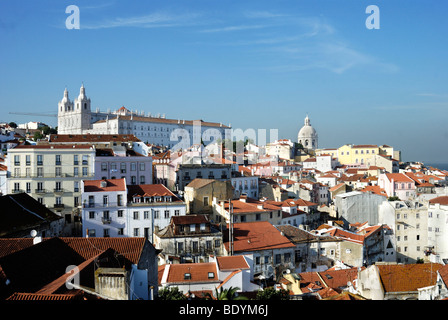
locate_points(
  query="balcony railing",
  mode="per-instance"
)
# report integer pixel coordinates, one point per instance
(106, 220)
(103, 205)
(59, 205)
(40, 191)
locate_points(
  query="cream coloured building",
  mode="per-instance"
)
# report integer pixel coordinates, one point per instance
(77, 117)
(52, 174)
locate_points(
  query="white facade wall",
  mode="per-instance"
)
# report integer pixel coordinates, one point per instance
(248, 185)
(127, 219)
(136, 170)
(438, 229)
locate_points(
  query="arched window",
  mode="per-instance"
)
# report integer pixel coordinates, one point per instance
(85, 106)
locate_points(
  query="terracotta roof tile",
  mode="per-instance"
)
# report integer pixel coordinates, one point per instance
(443, 200)
(254, 236)
(408, 277)
(232, 263)
(200, 272)
(106, 185)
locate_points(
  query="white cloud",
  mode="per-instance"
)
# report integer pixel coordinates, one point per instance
(153, 20)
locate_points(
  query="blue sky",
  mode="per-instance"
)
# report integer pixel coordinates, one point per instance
(251, 63)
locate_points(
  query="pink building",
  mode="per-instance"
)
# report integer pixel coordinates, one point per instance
(397, 184)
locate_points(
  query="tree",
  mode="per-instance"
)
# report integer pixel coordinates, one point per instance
(394, 198)
(272, 294)
(227, 294)
(12, 125)
(171, 293)
(37, 135)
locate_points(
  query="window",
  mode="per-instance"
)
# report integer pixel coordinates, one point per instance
(40, 172)
(192, 227)
(75, 160)
(211, 275)
(133, 180)
(195, 246)
(176, 212)
(205, 201)
(92, 233)
(75, 171)
(202, 227)
(58, 171)
(257, 260)
(85, 159)
(103, 166)
(40, 160)
(120, 231)
(217, 243)
(91, 214)
(180, 247)
(16, 187)
(123, 167)
(105, 200)
(135, 215)
(145, 214)
(28, 187)
(133, 166)
(187, 276)
(28, 160)
(120, 213)
(84, 171)
(136, 232)
(142, 180)
(156, 214)
(257, 217)
(58, 186)
(17, 160)
(106, 233)
(278, 259)
(266, 259)
(142, 166)
(58, 160)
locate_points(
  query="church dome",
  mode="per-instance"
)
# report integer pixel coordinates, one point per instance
(308, 135)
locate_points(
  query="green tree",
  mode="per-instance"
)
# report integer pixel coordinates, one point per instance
(272, 294)
(227, 294)
(37, 135)
(171, 293)
(394, 198)
(12, 124)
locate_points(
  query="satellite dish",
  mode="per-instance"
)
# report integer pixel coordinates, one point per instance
(33, 233)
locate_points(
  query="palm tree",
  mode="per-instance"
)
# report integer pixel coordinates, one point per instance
(227, 294)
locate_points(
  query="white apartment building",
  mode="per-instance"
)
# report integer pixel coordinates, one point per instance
(113, 209)
(76, 117)
(437, 248)
(52, 175)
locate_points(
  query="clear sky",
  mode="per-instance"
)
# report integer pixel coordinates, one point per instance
(261, 64)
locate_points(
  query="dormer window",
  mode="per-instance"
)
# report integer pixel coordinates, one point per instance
(187, 276)
(211, 275)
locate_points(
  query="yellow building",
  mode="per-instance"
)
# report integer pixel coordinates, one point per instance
(356, 154)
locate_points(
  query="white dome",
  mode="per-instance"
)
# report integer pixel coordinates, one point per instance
(307, 132)
(307, 135)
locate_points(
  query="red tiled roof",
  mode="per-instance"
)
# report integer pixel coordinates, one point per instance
(232, 263)
(408, 277)
(398, 177)
(150, 190)
(111, 185)
(65, 138)
(443, 200)
(199, 272)
(254, 236)
(130, 248)
(20, 296)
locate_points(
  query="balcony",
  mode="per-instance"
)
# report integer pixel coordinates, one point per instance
(40, 191)
(106, 220)
(59, 206)
(17, 191)
(58, 190)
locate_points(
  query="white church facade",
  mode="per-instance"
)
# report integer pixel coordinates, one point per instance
(76, 117)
